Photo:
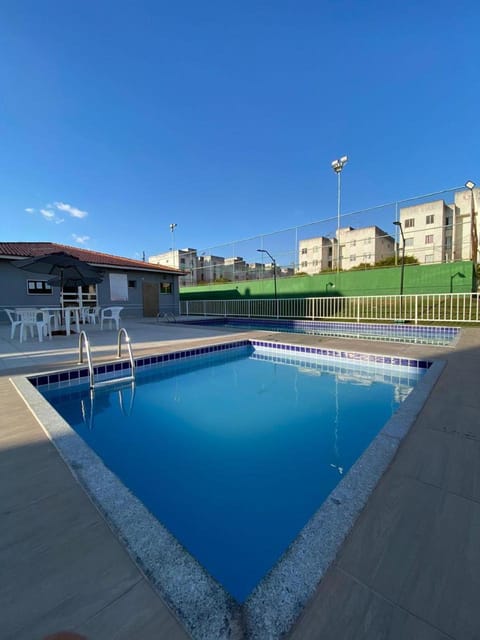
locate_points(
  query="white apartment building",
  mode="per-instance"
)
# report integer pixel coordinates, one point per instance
(210, 268)
(315, 255)
(235, 268)
(366, 245)
(357, 246)
(185, 259)
(440, 232)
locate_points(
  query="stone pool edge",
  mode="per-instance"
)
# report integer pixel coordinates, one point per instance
(205, 608)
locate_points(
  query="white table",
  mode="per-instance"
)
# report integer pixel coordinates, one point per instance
(70, 316)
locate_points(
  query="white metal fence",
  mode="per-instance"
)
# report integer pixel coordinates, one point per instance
(441, 308)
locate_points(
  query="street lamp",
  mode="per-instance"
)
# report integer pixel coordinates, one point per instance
(397, 223)
(473, 224)
(274, 275)
(337, 166)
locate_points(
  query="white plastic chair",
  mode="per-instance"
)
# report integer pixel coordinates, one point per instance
(111, 315)
(15, 321)
(90, 314)
(33, 318)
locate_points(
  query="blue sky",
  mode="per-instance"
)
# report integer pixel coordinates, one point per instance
(118, 118)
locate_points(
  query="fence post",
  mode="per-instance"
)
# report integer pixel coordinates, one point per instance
(416, 308)
(204, 307)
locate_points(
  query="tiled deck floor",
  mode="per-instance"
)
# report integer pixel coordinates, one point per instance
(409, 569)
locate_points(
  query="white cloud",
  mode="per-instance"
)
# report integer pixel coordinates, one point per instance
(80, 239)
(48, 214)
(72, 211)
(30, 210)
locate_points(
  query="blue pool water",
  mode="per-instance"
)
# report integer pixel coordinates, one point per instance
(406, 333)
(234, 451)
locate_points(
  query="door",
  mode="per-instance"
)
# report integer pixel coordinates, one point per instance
(150, 300)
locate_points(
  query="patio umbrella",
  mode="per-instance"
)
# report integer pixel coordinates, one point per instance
(73, 280)
(70, 271)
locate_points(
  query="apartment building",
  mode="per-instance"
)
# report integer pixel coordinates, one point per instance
(366, 245)
(210, 268)
(356, 246)
(316, 254)
(185, 259)
(441, 232)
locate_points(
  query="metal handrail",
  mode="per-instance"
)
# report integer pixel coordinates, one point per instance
(83, 340)
(123, 332)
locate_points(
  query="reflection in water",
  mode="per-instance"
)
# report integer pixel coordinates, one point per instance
(88, 405)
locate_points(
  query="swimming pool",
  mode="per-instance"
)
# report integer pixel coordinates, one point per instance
(405, 333)
(198, 599)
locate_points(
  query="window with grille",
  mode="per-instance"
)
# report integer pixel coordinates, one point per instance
(429, 219)
(429, 239)
(38, 287)
(410, 222)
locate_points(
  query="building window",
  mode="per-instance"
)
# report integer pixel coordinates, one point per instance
(38, 287)
(304, 250)
(315, 249)
(165, 287)
(353, 258)
(132, 284)
(304, 264)
(182, 260)
(429, 219)
(367, 241)
(315, 263)
(429, 239)
(354, 243)
(429, 257)
(410, 222)
(409, 242)
(448, 221)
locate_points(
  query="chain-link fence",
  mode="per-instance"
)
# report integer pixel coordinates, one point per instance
(435, 227)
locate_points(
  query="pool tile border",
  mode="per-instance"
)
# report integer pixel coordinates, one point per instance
(396, 332)
(118, 367)
(205, 608)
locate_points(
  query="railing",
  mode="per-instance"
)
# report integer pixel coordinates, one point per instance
(435, 307)
(83, 342)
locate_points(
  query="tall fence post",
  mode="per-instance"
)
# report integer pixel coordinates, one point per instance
(416, 309)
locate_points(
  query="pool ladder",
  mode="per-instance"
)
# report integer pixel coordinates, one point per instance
(83, 341)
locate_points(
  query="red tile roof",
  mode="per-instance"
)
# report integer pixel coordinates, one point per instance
(34, 249)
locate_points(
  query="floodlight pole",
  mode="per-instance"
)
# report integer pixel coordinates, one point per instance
(337, 166)
(173, 226)
(473, 224)
(397, 223)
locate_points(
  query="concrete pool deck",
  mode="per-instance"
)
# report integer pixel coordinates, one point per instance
(410, 567)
